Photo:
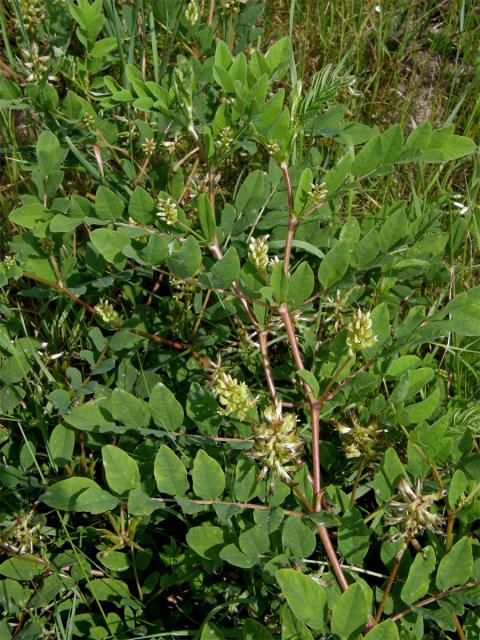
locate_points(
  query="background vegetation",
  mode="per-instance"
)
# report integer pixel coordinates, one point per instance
(227, 228)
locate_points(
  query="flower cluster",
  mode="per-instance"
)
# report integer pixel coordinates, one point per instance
(278, 448)
(234, 396)
(359, 332)
(272, 147)
(258, 252)
(413, 511)
(106, 312)
(360, 441)
(183, 290)
(191, 13)
(47, 244)
(35, 64)
(88, 120)
(148, 147)
(318, 194)
(33, 13)
(9, 262)
(230, 6)
(167, 210)
(225, 139)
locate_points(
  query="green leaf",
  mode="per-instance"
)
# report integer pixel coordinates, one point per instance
(246, 473)
(402, 364)
(228, 268)
(50, 154)
(129, 410)
(254, 542)
(108, 205)
(29, 215)
(303, 192)
(109, 244)
(334, 266)
(300, 285)
(292, 627)
(384, 631)
(208, 476)
(78, 494)
(140, 503)
(206, 541)
(392, 140)
(170, 472)
(380, 329)
(223, 57)
(421, 411)
(211, 632)
(202, 409)
(369, 157)
(255, 631)
(350, 613)
(96, 500)
(102, 47)
(23, 568)
(253, 193)
(185, 262)
(310, 379)
(110, 589)
(456, 567)
(232, 554)
(465, 319)
(279, 282)
(366, 250)
(278, 56)
(89, 415)
(298, 538)
(447, 148)
(458, 486)
(206, 217)
(13, 598)
(121, 471)
(141, 207)
(61, 444)
(166, 411)
(353, 536)
(306, 598)
(388, 475)
(394, 229)
(418, 579)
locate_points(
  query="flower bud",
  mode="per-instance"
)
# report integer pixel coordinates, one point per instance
(167, 210)
(277, 445)
(191, 13)
(148, 147)
(258, 252)
(235, 396)
(359, 332)
(106, 312)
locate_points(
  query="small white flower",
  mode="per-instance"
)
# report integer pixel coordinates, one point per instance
(258, 252)
(191, 13)
(167, 210)
(149, 146)
(359, 332)
(235, 396)
(106, 311)
(272, 147)
(463, 209)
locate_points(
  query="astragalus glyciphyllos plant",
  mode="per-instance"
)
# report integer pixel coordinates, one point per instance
(225, 396)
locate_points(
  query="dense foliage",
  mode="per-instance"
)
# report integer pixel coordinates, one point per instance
(231, 396)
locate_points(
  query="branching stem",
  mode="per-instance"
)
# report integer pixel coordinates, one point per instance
(315, 405)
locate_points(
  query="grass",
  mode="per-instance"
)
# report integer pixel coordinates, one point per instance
(412, 61)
